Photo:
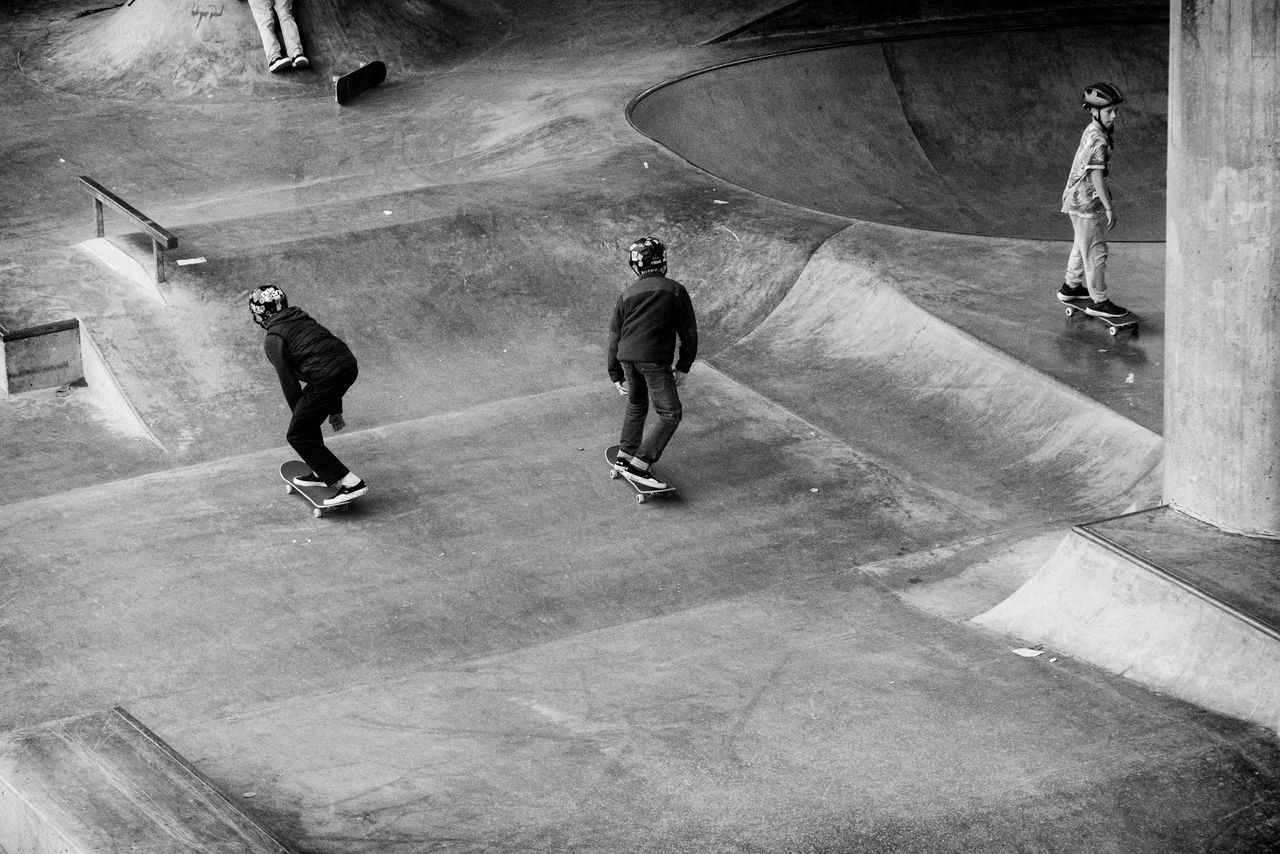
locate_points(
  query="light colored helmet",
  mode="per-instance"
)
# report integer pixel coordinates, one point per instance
(1098, 96)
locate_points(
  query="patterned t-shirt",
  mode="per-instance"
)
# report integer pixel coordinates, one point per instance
(1079, 197)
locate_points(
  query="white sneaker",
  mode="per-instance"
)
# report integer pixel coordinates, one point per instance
(347, 493)
(644, 477)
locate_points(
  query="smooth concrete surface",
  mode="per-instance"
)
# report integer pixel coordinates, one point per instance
(128, 267)
(1223, 396)
(1104, 605)
(1236, 570)
(1015, 442)
(103, 782)
(106, 396)
(212, 50)
(901, 131)
(39, 357)
(497, 649)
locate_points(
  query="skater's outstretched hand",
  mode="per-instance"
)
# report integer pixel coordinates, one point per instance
(621, 387)
(337, 422)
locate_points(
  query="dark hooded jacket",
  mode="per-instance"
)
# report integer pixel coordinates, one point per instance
(303, 351)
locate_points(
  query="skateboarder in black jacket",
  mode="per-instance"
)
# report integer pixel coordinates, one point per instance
(650, 315)
(304, 352)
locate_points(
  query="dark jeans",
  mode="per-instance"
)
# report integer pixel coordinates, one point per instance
(649, 382)
(319, 400)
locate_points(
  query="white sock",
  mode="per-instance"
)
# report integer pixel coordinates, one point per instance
(351, 479)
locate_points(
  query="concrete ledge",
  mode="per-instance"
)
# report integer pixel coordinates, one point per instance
(105, 783)
(1103, 604)
(45, 356)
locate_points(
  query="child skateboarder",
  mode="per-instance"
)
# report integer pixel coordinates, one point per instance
(651, 314)
(1087, 200)
(303, 351)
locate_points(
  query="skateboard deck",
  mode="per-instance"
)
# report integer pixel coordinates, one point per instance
(315, 495)
(364, 78)
(642, 492)
(1128, 320)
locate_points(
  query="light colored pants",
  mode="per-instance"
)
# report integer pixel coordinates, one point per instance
(1088, 262)
(265, 13)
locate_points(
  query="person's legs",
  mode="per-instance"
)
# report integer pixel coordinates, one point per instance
(1075, 261)
(307, 439)
(636, 413)
(662, 393)
(265, 18)
(289, 28)
(1091, 245)
(305, 435)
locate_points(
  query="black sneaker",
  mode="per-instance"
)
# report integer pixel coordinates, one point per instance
(1106, 308)
(644, 477)
(1067, 292)
(278, 63)
(308, 480)
(347, 493)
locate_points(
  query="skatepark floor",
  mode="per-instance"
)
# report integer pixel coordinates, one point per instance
(497, 649)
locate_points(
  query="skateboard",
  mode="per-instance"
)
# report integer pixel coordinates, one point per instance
(642, 492)
(315, 495)
(364, 78)
(1128, 320)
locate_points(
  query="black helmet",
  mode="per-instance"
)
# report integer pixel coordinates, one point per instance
(266, 301)
(1098, 96)
(648, 255)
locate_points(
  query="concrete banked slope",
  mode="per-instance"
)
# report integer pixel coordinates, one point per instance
(211, 50)
(962, 133)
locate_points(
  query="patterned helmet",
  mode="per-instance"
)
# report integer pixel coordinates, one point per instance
(1098, 96)
(266, 301)
(648, 255)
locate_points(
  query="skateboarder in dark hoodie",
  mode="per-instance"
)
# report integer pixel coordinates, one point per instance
(650, 315)
(316, 368)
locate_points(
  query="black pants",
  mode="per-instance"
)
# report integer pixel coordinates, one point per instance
(319, 400)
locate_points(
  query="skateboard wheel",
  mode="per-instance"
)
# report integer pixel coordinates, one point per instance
(317, 512)
(1070, 311)
(288, 489)
(640, 499)
(1112, 331)
(614, 474)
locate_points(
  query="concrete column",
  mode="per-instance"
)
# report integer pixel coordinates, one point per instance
(1222, 360)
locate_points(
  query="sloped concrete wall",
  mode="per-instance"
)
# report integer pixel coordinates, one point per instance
(1113, 610)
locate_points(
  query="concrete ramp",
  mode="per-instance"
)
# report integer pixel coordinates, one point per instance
(970, 134)
(1117, 610)
(105, 783)
(162, 48)
(848, 352)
